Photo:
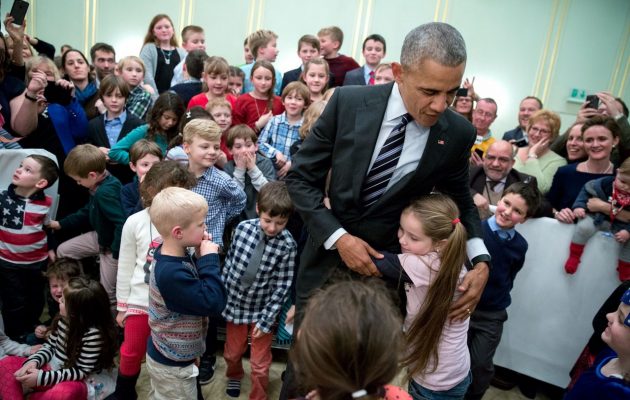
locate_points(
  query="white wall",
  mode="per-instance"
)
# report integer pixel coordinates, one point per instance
(516, 48)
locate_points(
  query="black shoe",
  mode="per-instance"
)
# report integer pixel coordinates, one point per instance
(206, 370)
(125, 388)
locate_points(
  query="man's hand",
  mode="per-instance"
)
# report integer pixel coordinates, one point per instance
(475, 159)
(54, 225)
(472, 288)
(282, 172)
(585, 113)
(356, 253)
(257, 333)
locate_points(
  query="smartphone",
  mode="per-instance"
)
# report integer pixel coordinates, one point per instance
(522, 142)
(461, 92)
(593, 101)
(18, 11)
(57, 94)
(479, 152)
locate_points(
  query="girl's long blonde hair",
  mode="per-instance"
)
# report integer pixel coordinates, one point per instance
(440, 221)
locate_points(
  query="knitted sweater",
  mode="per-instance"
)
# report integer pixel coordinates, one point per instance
(149, 56)
(179, 322)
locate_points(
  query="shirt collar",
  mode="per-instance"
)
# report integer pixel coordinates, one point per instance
(492, 222)
(395, 105)
(122, 118)
(39, 195)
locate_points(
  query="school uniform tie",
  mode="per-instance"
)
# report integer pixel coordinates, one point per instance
(385, 164)
(371, 80)
(252, 267)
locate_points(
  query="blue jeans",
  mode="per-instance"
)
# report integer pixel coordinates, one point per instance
(457, 392)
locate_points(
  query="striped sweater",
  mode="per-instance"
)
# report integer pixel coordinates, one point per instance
(22, 236)
(53, 352)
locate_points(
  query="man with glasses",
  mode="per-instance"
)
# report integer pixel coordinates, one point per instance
(488, 181)
(518, 135)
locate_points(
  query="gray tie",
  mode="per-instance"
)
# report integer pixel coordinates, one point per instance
(252, 267)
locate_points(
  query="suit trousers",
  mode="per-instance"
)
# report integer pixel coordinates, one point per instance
(484, 336)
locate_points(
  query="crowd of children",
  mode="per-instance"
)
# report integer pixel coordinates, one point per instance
(192, 201)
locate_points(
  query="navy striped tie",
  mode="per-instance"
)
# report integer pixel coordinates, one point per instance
(385, 164)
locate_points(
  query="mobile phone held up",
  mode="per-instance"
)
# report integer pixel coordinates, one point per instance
(593, 101)
(18, 11)
(461, 92)
(57, 94)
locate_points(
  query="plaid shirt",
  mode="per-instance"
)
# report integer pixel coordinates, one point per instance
(225, 200)
(262, 301)
(278, 135)
(139, 102)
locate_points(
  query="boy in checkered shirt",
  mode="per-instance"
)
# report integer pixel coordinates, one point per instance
(257, 275)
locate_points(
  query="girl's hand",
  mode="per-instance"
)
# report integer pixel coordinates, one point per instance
(579, 212)
(148, 88)
(262, 121)
(622, 236)
(120, 318)
(28, 380)
(29, 366)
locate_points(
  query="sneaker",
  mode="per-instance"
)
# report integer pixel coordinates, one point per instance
(233, 388)
(206, 370)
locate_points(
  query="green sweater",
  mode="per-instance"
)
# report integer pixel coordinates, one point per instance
(120, 152)
(103, 214)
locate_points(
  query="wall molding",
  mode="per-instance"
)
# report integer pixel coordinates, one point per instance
(617, 67)
(565, 5)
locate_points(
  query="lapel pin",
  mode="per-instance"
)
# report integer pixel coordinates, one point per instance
(440, 141)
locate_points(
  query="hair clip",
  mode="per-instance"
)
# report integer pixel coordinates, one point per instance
(359, 393)
(455, 221)
(188, 114)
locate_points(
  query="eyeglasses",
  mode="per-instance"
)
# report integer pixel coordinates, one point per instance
(535, 129)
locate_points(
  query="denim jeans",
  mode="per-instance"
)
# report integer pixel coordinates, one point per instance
(457, 392)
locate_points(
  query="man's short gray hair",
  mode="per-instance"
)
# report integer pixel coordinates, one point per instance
(436, 41)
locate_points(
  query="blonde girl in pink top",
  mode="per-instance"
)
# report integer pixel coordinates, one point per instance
(433, 244)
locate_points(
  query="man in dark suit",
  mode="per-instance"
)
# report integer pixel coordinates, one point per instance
(529, 105)
(374, 48)
(349, 136)
(488, 181)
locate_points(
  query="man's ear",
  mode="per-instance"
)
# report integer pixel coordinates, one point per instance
(397, 71)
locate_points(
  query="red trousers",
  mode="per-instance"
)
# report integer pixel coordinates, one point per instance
(134, 347)
(11, 388)
(260, 357)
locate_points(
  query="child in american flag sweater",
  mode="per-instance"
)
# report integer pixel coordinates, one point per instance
(24, 209)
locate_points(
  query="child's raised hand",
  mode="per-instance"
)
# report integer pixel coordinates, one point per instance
(622, 236)
(262, 121)
(207, 246)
